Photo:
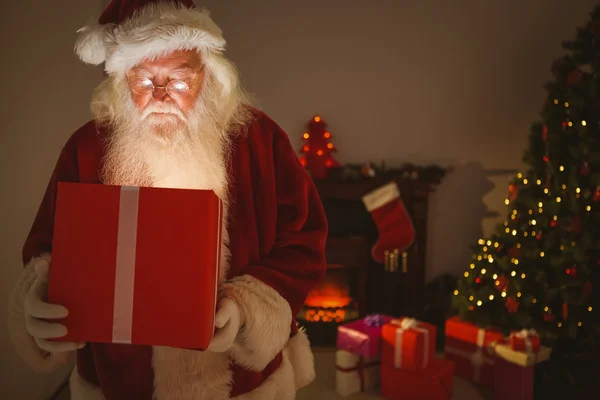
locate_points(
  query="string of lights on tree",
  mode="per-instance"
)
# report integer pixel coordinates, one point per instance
(536, 270)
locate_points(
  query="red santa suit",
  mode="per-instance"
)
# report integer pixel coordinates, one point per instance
(277, 231)
(273, 247)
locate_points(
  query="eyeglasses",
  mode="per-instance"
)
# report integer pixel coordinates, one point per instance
(144, 86)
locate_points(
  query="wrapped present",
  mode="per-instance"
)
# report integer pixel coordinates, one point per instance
(355, 373)
(466, 345)
(408, 343)
(136, 265)
(362, 337)
(526, 340)
(514, 371)
(433, 383)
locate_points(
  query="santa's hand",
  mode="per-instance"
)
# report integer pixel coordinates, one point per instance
(227, 322)
(37, 310)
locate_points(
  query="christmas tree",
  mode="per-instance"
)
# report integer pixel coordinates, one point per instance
(317, 149)
(539, 269)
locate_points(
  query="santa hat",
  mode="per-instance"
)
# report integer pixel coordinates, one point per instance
(129, 31)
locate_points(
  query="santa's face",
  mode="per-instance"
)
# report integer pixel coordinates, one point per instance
(165, 91)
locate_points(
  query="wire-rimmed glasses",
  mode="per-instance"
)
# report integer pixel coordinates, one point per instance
(177, 89)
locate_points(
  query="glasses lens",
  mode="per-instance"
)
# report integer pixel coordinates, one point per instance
(142, 86)
(178, 89)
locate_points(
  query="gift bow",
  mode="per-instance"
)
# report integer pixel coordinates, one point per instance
(408, 323)
(526, 334)
(374, 321)
(404, 325)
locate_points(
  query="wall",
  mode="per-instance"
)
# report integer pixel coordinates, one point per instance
(420, 81)
(453, 83)
(45, 92)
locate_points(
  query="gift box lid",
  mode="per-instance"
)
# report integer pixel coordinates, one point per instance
(522, 358)
(469, 332)
(362, 336)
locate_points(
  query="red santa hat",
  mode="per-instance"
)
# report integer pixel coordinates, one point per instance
(129, 31)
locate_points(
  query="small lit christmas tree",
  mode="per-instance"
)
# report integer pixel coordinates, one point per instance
(317, 149)
(539, 270)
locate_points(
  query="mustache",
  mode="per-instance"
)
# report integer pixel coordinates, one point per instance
(163, 108)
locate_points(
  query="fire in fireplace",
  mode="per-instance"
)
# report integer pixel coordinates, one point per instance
(331, 303)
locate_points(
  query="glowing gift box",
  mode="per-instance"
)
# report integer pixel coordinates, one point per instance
(136, 265)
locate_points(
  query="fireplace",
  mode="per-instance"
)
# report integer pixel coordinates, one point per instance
(354, 284)
(340, 296)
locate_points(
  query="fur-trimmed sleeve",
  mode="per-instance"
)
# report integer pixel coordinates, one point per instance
(272, 291)
(39, 245)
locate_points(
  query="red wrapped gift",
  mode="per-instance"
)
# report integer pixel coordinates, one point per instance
(514, 371)
(526, 340)
(408, 343)
(136, 265)
(432, 383)
(466, 345)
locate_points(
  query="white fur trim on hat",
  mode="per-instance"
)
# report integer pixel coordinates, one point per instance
(156, 29)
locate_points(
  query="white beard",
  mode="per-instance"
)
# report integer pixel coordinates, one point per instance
(179, 151)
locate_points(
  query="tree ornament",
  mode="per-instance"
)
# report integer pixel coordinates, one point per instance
(585, 169)
(596, 194)
(548, 317)
(367, 170)
(511, 305)
(565, 311)
(501, 283)
(514, 252)
(513, 192)
(546, 158)
(554, 223)
(317, 149)
(545, 133)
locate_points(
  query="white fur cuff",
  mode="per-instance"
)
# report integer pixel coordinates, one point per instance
(266, 320)
(28, 350)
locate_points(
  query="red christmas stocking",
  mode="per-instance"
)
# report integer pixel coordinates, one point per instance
(396, 230)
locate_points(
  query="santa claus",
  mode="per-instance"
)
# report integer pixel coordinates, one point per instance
(172, 113)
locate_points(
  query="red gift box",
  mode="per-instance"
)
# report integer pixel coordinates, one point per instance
(136, 265)
(467, 345)
(432, 383)
(514, 371)
(525, 340)
(408, 343)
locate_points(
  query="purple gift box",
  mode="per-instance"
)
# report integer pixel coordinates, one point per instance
(362, 337)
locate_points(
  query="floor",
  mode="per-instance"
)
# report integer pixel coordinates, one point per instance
(323, 388)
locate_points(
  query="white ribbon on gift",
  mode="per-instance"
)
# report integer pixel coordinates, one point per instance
(404, 325)
(125, 265)
(478, 358)
(525, 334)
